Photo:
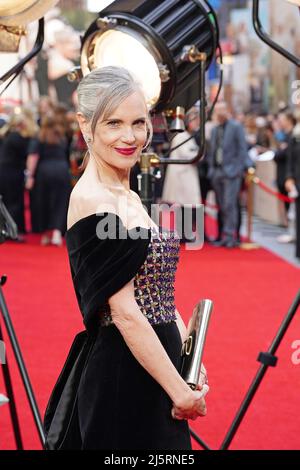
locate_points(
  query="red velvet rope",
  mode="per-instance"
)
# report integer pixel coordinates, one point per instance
(269, 190)
(264, 187)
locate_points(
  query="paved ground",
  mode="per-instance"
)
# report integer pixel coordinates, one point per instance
(265, 234)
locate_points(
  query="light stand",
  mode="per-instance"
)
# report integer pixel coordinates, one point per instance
(173, 42)
(23, 372)
(150, 160)
(8, 229)
(267, 359)
(9, 387)
(267, 39)
(16, 69)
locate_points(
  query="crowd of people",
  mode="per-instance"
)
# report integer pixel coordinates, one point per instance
(234, 143)
(35, 154)
(41, 151)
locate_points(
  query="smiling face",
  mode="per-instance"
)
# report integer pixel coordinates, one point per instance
(119, 139)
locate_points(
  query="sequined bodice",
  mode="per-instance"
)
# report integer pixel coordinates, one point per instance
(154, 281)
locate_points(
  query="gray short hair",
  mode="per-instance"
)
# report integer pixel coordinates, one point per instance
(103, 90)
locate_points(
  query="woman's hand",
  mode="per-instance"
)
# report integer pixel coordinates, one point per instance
(289, 185)
(199, 406)
(192, 406)
(203, 377)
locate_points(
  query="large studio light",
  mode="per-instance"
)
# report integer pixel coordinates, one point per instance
(168, 45)
(149, 38)
(14, 16)
(112, 47)
(266, 38)
(22, 12)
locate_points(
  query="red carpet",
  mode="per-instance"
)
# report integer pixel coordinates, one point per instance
(252, 291)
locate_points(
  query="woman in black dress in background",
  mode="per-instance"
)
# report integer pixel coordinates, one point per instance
(130, 393)
(48, 176)
(15, 136)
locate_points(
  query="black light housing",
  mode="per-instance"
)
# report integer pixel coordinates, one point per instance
(168, 46)
(267, 39)
(162, 29)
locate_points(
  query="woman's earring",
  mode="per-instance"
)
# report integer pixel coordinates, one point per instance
(87, 139)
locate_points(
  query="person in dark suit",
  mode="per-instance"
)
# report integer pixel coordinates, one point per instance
(227, 160)
(292, 182)
(287, 122)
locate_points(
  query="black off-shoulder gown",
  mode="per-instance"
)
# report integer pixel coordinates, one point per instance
(117, 404)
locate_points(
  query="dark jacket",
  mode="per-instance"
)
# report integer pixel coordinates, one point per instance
(281, 157)
(293, 161)
(235, 155)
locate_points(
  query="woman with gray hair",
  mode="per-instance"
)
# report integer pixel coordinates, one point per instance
(129, 392)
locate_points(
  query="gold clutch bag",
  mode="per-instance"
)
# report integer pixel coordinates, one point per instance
(192, 348)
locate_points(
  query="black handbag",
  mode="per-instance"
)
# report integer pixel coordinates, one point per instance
(61, 416)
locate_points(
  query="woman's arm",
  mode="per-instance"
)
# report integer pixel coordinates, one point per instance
(31, 164)
(149, 352)
(181, 326)
(144, 343)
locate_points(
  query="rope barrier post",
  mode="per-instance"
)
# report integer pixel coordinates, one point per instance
(251, 180)
(250, 203)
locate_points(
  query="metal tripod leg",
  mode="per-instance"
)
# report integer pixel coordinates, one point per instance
(20, 363)
(268, 359)
(11, 403)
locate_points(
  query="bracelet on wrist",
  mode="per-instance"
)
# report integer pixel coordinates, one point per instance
(28, 174)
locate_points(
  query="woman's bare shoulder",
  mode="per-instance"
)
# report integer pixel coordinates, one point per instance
(86, 201)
